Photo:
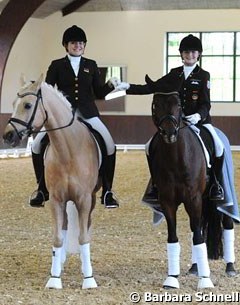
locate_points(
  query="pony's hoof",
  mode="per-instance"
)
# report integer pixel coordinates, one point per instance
(230, 270)
(193, 270)
(171, 282)
(205, 282)
(54, 283)
(89, 283)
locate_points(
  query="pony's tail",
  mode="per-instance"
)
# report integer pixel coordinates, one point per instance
(212, 230)
(72, 242)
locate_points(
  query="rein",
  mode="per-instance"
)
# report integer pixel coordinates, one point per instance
(29, 129)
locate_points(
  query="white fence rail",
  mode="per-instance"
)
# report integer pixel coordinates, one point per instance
(26, 152)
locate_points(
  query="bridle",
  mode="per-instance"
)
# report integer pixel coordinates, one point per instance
(175, 122)
(29, 130)
(28, 125)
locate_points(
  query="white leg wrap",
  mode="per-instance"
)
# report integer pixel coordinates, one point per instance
(56, 262)
(85, 258)
(228, 246)
(173, 252)
(202, 260)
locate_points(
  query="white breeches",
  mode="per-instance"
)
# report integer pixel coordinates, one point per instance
(219, 147)
(36, 144)
(96, 124)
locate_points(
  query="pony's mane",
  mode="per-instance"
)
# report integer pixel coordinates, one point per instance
(46, 89)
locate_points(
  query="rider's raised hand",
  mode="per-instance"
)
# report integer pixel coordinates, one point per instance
(113, 82)
(122, 86)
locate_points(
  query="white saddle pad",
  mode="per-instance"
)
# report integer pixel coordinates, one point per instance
(207, 157)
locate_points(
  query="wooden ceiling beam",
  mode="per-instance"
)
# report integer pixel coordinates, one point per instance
(73, 6)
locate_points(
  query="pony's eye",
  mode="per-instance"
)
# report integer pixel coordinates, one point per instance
(28, 106)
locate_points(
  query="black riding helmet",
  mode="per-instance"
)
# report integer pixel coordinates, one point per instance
(73, 33)
(190, 43)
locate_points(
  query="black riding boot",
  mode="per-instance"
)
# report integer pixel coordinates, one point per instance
(216, 191)
(150, 197)
(151, 193)
(107, 180)
(42, 192)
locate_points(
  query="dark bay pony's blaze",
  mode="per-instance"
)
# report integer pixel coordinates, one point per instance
(71, 167)
(179, 171)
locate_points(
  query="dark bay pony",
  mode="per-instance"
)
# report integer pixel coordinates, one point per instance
(71, 167)
(180, 173)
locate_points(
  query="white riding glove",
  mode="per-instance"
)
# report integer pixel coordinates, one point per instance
(113, 82)
(122, 86)
(193, 118)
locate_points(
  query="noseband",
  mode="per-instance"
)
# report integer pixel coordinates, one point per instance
(174, 121)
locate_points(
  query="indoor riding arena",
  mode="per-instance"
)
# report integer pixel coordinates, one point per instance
(115, 54)
(128, 253)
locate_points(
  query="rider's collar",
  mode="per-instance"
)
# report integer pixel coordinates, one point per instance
(74, 59)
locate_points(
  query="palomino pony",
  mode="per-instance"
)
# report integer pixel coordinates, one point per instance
(179, 171)
(71, 167)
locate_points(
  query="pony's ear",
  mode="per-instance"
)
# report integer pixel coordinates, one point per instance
(152, 84)
(39, 81)
(149, 81)
(168, 83)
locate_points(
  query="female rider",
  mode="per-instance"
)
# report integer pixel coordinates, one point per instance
(78, 78)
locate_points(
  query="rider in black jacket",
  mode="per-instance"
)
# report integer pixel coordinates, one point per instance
(78, 78)
(193, 85)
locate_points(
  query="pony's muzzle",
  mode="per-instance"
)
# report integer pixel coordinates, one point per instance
(169, 136)
(170, 139)
(12, 138)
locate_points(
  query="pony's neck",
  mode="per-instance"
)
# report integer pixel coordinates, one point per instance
(58, 109)
(59, 116)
